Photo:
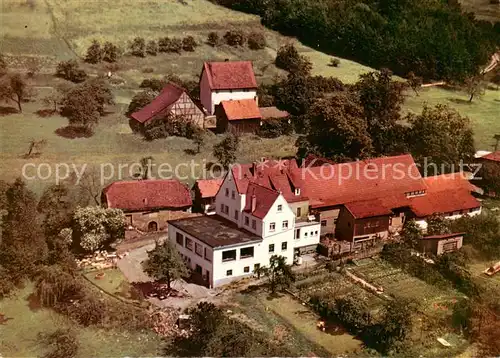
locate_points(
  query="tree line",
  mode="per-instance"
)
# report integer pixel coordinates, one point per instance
(434, 38)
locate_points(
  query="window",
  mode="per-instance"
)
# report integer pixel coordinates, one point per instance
(323, 222)
(272, 226)
(285, 224)
(246, 269)
(297, 234)
(153, 226)
(233, 195)
(229, 255)
(450, 246)
(236, 214)
(316, 233)
(198, 249)
(305, 234)
(246, 252)
(283, 246)
(312, 233)
(229, 273)
(254, 224)
(280, 208)
(226, 209)
(271, 248)
(179, 239)
(207, 256)
(247, 221)
(227, 192)
(222, 208)
(189, 244)
(299, 212)
(297, 191)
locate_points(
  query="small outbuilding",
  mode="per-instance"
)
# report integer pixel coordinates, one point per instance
(238, 116)
(441, 244)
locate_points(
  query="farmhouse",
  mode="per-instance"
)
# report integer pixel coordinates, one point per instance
(441, 244)
(224, 81)
(205, 191)
(238, 116)
(148, 204)
(172, 100)
(252, 223)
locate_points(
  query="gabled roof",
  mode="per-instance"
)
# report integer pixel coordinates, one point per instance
(167, 97)
(264, 199)
(453, 181)
(368, 208)
(495, 156)
(143, 195)
(443, 236)
(230, 75)
(272, 112)
(241, 109)
(208, 187)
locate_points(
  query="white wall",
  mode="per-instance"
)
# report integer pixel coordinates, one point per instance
(232, 204)
(422, 223)
(309, 234)
(205, 93)
(226, 95)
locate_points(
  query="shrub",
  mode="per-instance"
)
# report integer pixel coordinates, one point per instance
(289, 59)
(154, 84)
(152, 48)
(275, 127)
(69, 70)
(140, 100)
(256, 41)
(189, 43)
(164, 44)
(94, 53)
(148, 70)
(334, 62)
(110, 52)
(175, 45)
(169, 126)
(213, 39)
(62, 344)
(138, 47)
(234, 38)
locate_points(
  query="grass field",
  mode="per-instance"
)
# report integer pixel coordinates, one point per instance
(483, 9)
(19, 335)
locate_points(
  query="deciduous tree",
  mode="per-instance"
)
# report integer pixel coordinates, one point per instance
(138, 47)
(225, 150)
(165, 264)
(414, 81)
(199, 139)
(110, 52)
(279, 273)
(474, 86)
(94, 53)
(69, 70)
(15, 88)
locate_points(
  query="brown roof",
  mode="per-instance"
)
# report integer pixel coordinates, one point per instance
(143, 195)
(443, 236)
(215, 231)
(241, 109)
(208, 187)
(272, 112)
(230, 75)
(167, 97)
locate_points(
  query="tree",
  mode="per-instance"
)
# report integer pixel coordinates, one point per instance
(94, 53)
(199, 139)
(14, 88)
(55, 97)
(295, 95)
(23, 246)
(36, 147)
(89, 187)
(411, 234)
(165, 264)
(474, 86)
(146, 167)
(213, 39)
(381, 98)
(234, 38)
(152, 48)
(279, 273)
(289, 59)
(256, 40)
(110, 52)
(138, 47)
(175, 45)
(438, 225)
(3, 66)
(140, 100)
(414, 82)
(225, 150)
(69, 70)
(336, 130)
(95, 227)
(189, 43)
(443, 136)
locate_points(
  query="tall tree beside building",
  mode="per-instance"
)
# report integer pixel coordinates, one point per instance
(225, 150)
(279, 273)
(165, 264)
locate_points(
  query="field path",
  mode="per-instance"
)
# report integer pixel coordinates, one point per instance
(56, 32)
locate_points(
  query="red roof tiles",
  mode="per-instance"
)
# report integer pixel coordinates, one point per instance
(230, 75)
(264, 199)
(495, 156)
(208, 187)
(241, 109)
(272, 112)
(368, 208)
(167, 97)
(142, 195)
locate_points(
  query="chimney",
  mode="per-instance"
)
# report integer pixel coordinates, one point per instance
(254, 202)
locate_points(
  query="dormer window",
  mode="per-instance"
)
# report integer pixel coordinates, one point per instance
(297, 191)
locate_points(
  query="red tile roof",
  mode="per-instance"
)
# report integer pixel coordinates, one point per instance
(208, 187)
(167, 97)
(337, 184)
(443, 236)
(495, 156)
(142, 195)
(241, 109)
(368, 208)
(272, 112)
(230, 75)
(451, 181)
(264, 197)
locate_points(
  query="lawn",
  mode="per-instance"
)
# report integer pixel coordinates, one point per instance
(286, 319)
(19, 335)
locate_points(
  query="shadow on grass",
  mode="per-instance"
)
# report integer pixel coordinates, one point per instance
(459, 101)
(33, 302)
(46, 112)
(73, 132)
(31, 156)
(5, 111)
(190, 151)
